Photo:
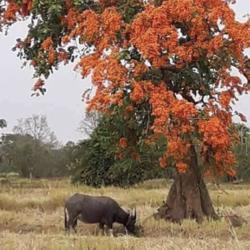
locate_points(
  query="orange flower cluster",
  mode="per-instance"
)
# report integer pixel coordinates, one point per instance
(15, 9)
(139, 68)
(111, 22)
(137, 94)
(182, 109)
(165, 106)
(154, 27)
(51, 56)
(109, 72)
(129, 109)
(88, 26)
(88, 63)
(177, 149)
(172, 118)
(123, 142)
(163, 161)
(160, 99)
(71, 19)
(225, 98)
(217, 141)
(117, 98)
(101, 101)
(99, 29)
(11, 11)
(181, 167)
(135, 156)
(214, 133)
(47, 45)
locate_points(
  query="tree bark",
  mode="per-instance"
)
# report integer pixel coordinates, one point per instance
(188, 196)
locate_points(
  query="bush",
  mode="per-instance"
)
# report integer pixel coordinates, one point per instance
(96, 163)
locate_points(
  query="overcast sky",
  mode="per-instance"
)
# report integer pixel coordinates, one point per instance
(62, 103)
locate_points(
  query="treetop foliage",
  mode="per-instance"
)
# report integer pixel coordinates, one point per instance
(3, 123)
(37, 127)
(164, 67)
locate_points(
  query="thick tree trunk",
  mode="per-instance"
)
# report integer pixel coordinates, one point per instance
(188, 196)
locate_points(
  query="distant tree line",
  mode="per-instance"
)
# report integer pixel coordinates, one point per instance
(32, 150)
(242, 151)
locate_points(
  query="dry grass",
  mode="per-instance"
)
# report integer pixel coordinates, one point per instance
(31, 217)
(52, 242)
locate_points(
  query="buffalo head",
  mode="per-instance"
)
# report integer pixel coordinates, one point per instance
(130, 225)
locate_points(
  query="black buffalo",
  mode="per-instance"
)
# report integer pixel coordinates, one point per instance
(96, 209)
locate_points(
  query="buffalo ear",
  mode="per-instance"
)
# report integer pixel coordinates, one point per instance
(133, 211)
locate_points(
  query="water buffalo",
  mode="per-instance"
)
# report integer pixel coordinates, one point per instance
(96, 209)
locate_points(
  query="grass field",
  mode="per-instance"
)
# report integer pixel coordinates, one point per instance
(31, 217)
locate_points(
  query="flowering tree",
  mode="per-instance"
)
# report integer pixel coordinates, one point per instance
(167, 68)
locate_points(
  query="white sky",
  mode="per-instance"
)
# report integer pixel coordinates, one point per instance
(62, 102)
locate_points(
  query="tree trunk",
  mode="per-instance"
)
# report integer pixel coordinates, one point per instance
(188, 196)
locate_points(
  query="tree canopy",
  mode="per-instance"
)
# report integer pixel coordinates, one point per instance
(167, 66)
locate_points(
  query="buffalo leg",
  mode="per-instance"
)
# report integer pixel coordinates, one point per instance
(111, 232)
(66, 220)
(110, 229)
(72, 222)
(101, 227)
